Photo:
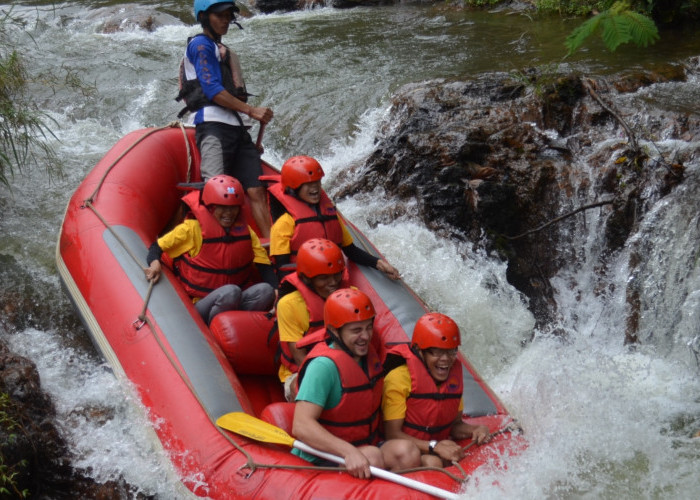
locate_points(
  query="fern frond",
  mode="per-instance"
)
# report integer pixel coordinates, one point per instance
(616, 25)
(583, 31)
(615, 30)
(643, 31)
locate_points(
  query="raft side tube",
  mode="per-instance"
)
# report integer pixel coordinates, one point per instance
(196, 355)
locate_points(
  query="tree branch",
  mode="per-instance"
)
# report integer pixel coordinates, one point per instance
(630, 134)
(560, 218)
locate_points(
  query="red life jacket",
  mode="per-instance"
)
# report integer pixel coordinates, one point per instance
(356, 418)
(314, 304)
(308, 223)
(225, 258)
(430, 409)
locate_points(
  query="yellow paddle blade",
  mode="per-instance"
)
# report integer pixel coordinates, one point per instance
(254, 428)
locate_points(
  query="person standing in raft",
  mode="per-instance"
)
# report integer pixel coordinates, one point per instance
(423, 393)
(212, 86)
(216, 256)
(340, 390)
(301, 210)
(319, 272)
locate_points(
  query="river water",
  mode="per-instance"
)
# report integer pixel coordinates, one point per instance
(603, 421)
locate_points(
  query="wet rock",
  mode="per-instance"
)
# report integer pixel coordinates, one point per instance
(268, 6)
(24, 303)
(632, 82)
(35, 457)
(132, 18)
(32, 448)
(501, 163)
(346, 4)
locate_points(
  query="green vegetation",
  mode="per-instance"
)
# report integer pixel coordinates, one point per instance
(24, 127)
(616, 21)
(616, 25)
(570, 7)
(9, 472)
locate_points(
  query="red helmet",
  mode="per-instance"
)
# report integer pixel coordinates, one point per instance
(436, 330)
(319, 256)
(223, 190)
(299, 170)
(345, 306)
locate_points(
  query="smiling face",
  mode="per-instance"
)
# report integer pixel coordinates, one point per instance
(225, 214)
(357, 337)
(439, 362)
(310, 192)
(325, 284)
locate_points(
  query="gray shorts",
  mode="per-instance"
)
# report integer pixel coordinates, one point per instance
(229, 150)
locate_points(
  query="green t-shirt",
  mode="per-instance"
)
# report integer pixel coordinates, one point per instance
(320, 386)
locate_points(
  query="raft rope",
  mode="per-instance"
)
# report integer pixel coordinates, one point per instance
(513, 427)
(89, 202)
(143, 319)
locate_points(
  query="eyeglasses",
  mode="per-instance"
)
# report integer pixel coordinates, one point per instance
(439, 353)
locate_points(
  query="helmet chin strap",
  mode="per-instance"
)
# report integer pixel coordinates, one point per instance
(335, 337)
(206, 26)
(417, 351)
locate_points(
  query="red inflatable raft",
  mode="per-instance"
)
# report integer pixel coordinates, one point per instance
(188, 375)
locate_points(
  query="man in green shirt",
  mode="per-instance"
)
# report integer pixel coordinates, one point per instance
(340, 389)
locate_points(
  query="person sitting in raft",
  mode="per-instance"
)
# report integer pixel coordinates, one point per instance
(340, 389)
(319, 272)
(301, 210)
(422, 398)
(216, 256)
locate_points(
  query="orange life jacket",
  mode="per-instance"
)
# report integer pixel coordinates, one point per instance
(430, 409)
(356, 418)
(308, 223)
(314, 305)
(225, 258)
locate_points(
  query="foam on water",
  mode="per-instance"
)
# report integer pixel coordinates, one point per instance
(603, 421)
(106, 426)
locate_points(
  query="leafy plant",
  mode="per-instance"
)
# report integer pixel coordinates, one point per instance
(24, 127)
(617, 25)
(569, 7)
(9, 473)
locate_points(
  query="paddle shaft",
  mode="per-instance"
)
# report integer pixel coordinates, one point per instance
(383, 474)
(258, 142)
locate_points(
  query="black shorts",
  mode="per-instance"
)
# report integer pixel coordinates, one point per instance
(229, 150)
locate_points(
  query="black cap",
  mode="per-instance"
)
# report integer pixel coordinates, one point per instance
(220, 7)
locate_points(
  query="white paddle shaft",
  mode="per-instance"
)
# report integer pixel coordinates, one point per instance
(383, 474)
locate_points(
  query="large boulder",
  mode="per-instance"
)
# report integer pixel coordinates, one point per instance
(493, 159)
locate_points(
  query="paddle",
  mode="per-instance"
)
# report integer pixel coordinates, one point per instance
(259, 430)
(258, 142)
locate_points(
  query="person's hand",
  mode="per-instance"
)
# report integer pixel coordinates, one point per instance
(481, 434)
(153, 271)
(449, 450)
(390, 271)
(263, 115)
(357, 464)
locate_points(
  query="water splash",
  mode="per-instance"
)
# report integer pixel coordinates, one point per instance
(602, 421)
(106, 426)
